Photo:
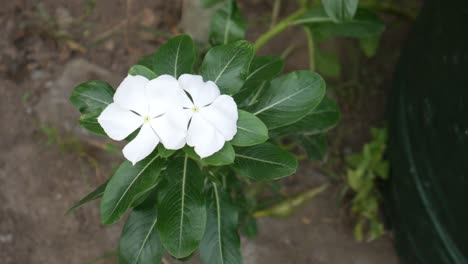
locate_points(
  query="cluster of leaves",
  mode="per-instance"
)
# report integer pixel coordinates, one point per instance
(365, 169)
(181, 202)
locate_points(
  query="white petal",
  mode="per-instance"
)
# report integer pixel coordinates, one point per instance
(164, 93)
(202, 93)
(204, 137)
(143, 144)
(172, 127)
(118, 122)
(131, 94)
(222, 114)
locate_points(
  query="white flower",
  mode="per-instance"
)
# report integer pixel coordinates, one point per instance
(213, 117)
(151, 106)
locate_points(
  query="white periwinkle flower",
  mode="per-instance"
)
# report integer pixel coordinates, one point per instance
(151, 106)
(213, 117)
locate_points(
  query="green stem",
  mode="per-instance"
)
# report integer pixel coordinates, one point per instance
(310, 45)
(278, 28)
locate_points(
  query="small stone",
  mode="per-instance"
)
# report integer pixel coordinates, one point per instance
(6, 238)
(54, 107)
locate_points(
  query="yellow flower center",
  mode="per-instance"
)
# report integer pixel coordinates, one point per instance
(195, 108)
(146, 119)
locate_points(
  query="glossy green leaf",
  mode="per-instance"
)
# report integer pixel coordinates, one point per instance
(340, 10)
(182, 211)
(364, 24)
(146, 61)
(224, 156)
(139, 242)
(164, 152)
(92, 97)
(264, 162)
(175, 57)
(97, 193)
(250, 130)
(142, 71)
(221, 243)
(315, 146)
(89, 122)
(321, 119)
(327, 63)
(127, 184)
(262, 69)
(228, 65)
(289, 98)
(227, 24)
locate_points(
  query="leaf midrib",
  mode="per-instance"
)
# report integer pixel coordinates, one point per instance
(226, 66)
(177, 59)
(279, 101)
(259, 69)
(131, 184)
(262, 160)
(228, 24)
(145, 240)
(218, 215)
(93, 98)
(248, 130)
(184, 174)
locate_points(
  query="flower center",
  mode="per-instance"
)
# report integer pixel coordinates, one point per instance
(146, 119)
(195, 109)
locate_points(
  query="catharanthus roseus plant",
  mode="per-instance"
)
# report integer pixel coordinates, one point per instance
(188, 139)
(198, 134)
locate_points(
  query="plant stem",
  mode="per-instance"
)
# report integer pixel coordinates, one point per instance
(275, 12)
(310, 45)
(278, 28)
(290, 205)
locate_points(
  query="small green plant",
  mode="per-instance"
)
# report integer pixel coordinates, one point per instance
(200, 135)
(365, 169)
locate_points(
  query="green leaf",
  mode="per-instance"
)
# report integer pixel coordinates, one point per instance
(127, 184)
(143, 71)
(321, 119)
(227, 24)
(175, 57)
(227, 65)
(92, 96)
(182, 211)
(340, 10)
(224, 156)
(262, 69)
(210, 3)
(90, 122)
(250, 130)
(264, 162)
(369, 45)
(146, 61)
(364, 24)
(289, 98)
(221, 243)
(315, 146)
(97, 193)
(139, 242)
(164, 152)
(328, 63)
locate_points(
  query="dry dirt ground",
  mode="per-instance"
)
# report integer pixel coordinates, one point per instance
(47, 162)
